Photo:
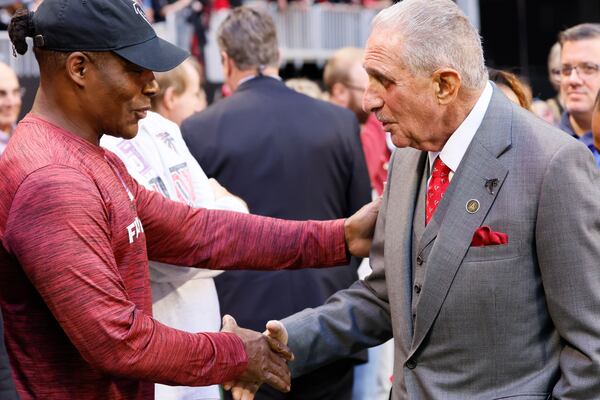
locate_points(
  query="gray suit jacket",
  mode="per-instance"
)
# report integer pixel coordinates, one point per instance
(519, 320)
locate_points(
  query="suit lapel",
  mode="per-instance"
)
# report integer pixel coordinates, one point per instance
(452, 226)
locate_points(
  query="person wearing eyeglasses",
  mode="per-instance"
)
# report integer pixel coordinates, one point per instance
(595, 146)
(580, 78)
(10, 103)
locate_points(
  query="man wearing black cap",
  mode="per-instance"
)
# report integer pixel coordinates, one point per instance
(77, 231)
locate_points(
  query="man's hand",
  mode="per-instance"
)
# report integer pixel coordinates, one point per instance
(217, 189)
(267, 357)
(277, 331)
(359, 229)
(220, 192)
(246, 390)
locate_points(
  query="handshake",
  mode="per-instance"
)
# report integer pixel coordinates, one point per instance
(268, 355)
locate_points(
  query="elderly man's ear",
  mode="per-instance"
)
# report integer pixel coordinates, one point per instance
(446, 83)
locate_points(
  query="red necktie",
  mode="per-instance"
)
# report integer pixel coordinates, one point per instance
(437, 187)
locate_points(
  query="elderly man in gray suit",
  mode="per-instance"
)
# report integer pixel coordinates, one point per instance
(486, 257)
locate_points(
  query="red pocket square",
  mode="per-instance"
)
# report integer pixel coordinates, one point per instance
(485, 236)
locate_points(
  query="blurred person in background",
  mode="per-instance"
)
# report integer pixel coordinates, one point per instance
(199, 17)
(551, 110)
(182, 298)
(162, 8)
(7, 9)
(307, 87)
(180, 94)
(346, 81)
(287, 155)
(514, 88)
(580, 78)
(10, 103)
(595, 146)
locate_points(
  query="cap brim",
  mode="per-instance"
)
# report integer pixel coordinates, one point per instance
(155, 54)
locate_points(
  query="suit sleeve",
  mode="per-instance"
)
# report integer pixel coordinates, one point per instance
(568, 248)
(351, 320)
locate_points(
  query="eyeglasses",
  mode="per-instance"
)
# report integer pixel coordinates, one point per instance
(583, 69)
(19, 92)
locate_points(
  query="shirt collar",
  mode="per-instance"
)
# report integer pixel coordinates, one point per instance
(248, 78)
(587, 138)
(565, 125)
(456, 146)
(5, 135)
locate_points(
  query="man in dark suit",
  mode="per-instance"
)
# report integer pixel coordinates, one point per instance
(288, 156)
(7, 387)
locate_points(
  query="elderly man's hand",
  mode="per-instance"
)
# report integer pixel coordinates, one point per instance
(277, 331)
(267, 360)
(359, 229)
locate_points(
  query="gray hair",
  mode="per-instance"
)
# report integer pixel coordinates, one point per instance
(436, 34)
(579, 32)
(249, 38)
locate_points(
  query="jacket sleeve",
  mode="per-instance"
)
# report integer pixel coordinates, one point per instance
(351, 320)
(568, 249)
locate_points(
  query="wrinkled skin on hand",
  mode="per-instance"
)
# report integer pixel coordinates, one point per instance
(360, 227)
(267, 360)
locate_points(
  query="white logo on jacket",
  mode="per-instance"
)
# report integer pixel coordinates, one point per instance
(134, 229)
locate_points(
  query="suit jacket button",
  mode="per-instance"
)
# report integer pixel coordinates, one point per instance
(420, 260)
(411, 364)
(417, 289)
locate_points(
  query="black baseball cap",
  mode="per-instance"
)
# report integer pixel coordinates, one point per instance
(119, 26)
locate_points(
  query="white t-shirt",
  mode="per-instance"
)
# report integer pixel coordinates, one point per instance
(183, 298)
(4, 137)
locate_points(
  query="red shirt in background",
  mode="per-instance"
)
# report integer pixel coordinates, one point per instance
(76, 233)
(377, 153)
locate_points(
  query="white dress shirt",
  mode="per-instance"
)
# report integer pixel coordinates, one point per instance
(455, 148)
